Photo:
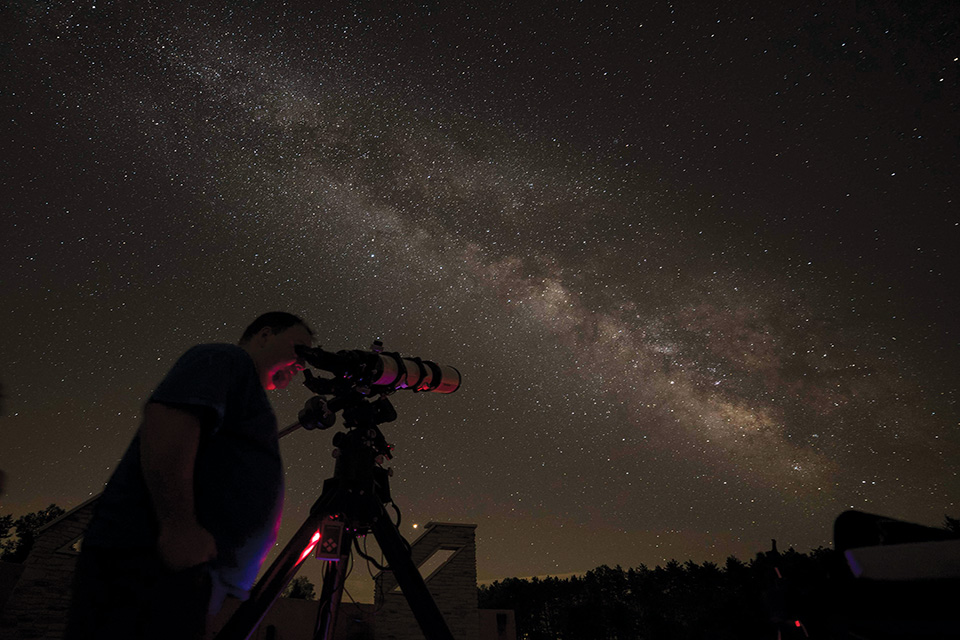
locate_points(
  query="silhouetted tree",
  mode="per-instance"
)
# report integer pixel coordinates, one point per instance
(17, 536)
(300, 588)
(676, 601)
(952, 525)
(757, 599)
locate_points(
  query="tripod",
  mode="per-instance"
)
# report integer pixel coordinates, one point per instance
(350, 504)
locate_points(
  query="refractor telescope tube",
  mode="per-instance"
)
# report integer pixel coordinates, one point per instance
(384, 369)
(397, 372)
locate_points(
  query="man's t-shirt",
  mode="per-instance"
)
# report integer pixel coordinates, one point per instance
(238, 476)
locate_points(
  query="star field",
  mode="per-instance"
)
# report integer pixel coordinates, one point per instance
(696, 265)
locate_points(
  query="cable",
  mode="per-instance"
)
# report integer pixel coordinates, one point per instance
(362, 553)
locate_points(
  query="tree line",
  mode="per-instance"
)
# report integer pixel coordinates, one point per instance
(676, 601)
(774, 595)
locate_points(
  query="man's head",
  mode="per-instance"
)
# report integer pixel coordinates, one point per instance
(270, 341)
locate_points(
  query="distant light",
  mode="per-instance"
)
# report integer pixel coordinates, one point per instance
(415, 526)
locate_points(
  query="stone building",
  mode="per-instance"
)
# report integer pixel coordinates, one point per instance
(39, 599)
(446, 556)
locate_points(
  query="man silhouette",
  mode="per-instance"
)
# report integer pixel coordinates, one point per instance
(193, 507)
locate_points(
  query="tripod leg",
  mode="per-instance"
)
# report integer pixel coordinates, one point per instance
(333, 580)
(243, 623)
(424, 609)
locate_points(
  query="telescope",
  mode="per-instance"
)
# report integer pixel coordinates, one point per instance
(354, 499)
(380, 372)
(358, 375)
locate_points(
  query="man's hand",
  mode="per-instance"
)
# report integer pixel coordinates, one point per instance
(185, 544)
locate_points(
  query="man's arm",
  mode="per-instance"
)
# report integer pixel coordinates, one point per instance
(169, 439)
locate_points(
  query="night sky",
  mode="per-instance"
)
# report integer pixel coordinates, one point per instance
(696, 264)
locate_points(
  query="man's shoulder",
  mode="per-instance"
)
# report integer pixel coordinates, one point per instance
(210, 375)
(214, 359)
(219, 349)
(218, 352)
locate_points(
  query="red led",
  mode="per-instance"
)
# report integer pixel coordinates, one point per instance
(313, 543)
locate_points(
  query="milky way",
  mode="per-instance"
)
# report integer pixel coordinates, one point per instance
(696, 269)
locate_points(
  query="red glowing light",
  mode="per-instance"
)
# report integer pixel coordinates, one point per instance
(313, 543)
(796, 623)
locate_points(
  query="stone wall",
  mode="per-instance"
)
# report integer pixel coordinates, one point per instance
(37, 607)
(453, 585)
